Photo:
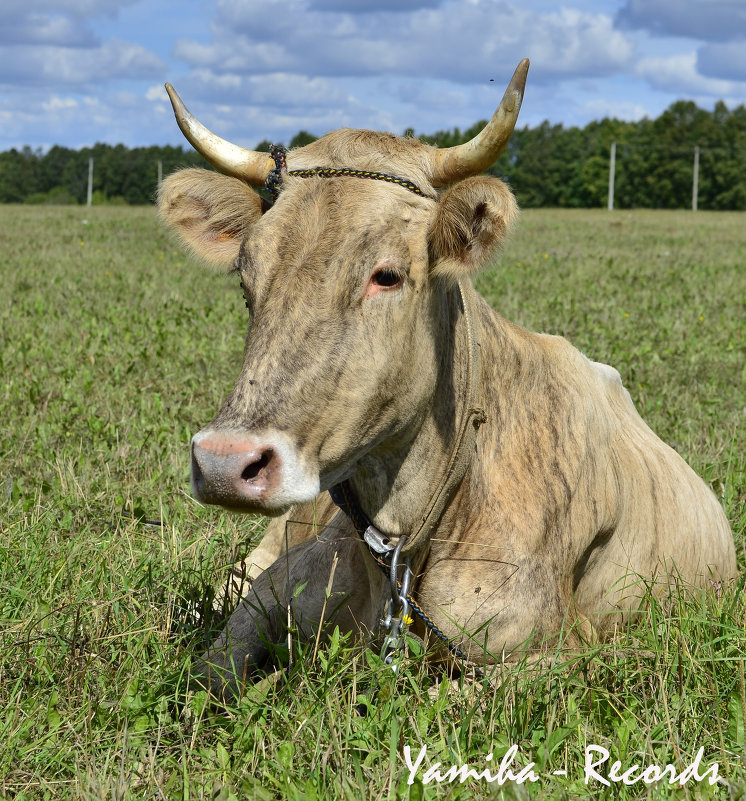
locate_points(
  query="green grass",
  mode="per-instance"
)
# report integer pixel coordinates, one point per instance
(115, 349)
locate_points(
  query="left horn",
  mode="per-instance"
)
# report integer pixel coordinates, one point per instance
(451, 164)
(230, 159)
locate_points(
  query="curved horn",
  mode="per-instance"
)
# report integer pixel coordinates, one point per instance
(451, 164)
(230, 159)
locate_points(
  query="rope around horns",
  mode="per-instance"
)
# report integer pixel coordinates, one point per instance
(273, 184)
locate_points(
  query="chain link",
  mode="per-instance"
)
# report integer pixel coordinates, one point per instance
(396, 619)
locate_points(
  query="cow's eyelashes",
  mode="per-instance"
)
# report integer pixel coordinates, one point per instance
(386, 278)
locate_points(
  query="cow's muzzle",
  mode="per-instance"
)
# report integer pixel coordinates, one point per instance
(248, 473)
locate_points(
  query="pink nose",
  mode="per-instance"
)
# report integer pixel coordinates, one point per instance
(233, 470)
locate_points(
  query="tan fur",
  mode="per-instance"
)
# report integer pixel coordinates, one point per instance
(471, 222)
(210, 212)
(570, 498)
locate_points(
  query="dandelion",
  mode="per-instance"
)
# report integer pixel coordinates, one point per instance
(626, 314)
(545, 255)
(82, 244)
(701, 318)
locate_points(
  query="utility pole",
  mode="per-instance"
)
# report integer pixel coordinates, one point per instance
(695, 179)
(89, 199)
(612, 167)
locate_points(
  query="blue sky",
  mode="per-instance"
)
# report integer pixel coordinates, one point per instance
(75, 72)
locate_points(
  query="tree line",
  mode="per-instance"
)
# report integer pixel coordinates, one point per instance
(548, 165)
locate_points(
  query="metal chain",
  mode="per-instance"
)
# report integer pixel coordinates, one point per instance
(381, 547)
(397, 618)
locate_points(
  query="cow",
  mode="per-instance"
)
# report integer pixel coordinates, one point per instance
(517, 485)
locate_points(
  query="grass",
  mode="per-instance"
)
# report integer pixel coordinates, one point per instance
(115, 349)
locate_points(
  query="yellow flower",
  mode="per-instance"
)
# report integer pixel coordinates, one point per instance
(701, 318)
(408, 620)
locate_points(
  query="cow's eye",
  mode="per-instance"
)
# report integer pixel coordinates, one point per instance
(386, 278)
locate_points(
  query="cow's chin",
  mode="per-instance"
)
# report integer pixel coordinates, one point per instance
(271, 504)
(252, 509)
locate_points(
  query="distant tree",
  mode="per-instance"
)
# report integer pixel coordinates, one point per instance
(302, 138)
(548, 165)
(18, 175)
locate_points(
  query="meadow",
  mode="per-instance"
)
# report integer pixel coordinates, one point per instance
(115, 348)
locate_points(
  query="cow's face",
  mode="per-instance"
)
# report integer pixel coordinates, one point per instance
(345, 283)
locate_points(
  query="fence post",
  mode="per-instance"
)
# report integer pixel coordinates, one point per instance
(612, 167)
(160, 174)
(89, 197)
(695, 179)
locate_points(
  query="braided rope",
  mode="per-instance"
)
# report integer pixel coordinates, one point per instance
(273, 182)
(336, 172)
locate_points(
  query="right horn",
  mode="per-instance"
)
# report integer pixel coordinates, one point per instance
(230, 159)
(451, 164)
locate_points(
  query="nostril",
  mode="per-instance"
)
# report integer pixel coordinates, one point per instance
(251, 471)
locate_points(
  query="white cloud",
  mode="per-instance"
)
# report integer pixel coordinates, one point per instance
(61, 66)
(40, 120)
(55, 103)
(12, 9)
(601, 107)
(712, 20)
(156, 93)
(462, 42)
(430, 68)
(33, 28)
(678, 75)
(278, 90)
(372, 6)
(255, 70)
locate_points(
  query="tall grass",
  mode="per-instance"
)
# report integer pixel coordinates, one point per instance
(115, 349)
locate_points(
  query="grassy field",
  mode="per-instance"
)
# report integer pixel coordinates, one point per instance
(115, 349)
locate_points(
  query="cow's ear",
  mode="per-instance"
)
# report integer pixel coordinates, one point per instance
(472, 220)
(211, 213)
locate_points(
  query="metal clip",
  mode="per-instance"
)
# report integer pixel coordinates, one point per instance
(377, 541)
(397, 626)
(396, 594)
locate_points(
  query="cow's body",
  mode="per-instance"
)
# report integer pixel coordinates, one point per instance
(568, 499)
(572, 505)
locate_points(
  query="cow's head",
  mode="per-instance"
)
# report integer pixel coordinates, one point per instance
(345, 281)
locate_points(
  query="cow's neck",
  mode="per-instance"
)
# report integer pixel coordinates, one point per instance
(398, 482)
